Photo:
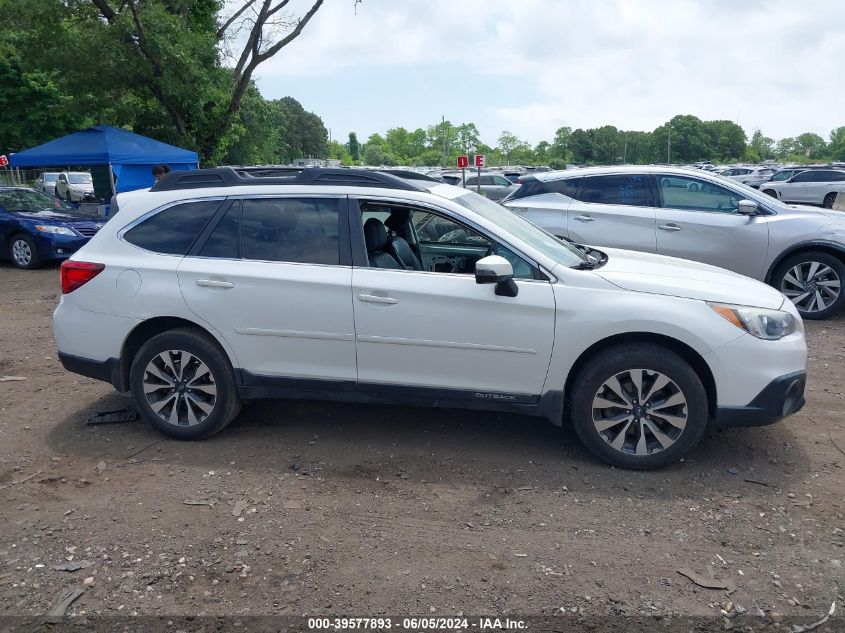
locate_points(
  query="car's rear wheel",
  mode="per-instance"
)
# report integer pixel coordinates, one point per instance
(771, 192)
(813, 282)
(184, 385)
(639, 406)
(23, 253)
(828, 201)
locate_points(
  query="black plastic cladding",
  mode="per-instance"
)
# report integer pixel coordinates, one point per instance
(232, 177)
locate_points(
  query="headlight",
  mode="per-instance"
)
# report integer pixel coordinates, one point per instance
(54, 230)
(770, 325)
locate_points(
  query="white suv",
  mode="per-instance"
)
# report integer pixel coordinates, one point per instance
(219, 286)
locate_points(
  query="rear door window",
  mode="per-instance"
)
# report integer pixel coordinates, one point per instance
(622, 189)
(303, 230)
(171, 231)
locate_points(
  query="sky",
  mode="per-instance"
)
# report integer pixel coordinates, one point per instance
(532, 66)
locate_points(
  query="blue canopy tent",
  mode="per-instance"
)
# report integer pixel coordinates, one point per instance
(129, 157)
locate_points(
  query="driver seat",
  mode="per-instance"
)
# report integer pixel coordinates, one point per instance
(398, 245)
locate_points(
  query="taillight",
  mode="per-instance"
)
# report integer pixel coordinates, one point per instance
(76, 274)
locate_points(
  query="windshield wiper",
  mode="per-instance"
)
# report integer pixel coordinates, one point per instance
(593, 258)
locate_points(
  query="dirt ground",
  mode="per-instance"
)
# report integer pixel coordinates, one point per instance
(336, 509)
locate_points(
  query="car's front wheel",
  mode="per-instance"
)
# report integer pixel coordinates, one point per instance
(770, 192)
(184, 385)
(828, 201)
(639, 406)
(813, 281)
(23, 253)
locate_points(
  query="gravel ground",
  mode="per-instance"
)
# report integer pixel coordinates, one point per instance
(313, 508)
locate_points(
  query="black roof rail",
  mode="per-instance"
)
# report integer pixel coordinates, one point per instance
(241, 176)
(409, 175)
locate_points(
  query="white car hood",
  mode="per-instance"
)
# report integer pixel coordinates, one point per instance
(657, 274)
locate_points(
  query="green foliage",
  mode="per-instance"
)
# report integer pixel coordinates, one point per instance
(353, 147)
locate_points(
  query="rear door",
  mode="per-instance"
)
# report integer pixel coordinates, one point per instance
(800, 188)
(698, 220)
(272, 275)
(613, 210)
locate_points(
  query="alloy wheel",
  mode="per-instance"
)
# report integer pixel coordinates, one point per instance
(811, 286)
(639, 412)
(21, 253)
(180, 388)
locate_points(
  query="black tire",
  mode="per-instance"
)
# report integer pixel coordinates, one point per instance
(802, 260)
(828, 201)
(771, 192)
(34, 260)
(591, 379)
(205, 349)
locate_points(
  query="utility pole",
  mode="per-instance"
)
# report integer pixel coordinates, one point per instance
(443, 132)
(625, 151)
(669, 147)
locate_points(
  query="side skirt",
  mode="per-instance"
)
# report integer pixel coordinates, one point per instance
(257, 387)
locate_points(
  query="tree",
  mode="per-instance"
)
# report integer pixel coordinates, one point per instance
(178, 70)
(542, 152)
(560, 144)
(607, 145)
(508, 142)
(581, 142)
(726, 140)
(467, 137)
(354, 148)
(442, 137)
(811, 145)
(836, 147)
(686, 135)
(762, 146)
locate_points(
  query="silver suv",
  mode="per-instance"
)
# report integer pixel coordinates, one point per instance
(688, 213)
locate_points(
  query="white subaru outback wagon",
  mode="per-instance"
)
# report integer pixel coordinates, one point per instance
(223, 285)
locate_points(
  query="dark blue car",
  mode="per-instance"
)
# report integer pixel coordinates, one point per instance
(35, 227)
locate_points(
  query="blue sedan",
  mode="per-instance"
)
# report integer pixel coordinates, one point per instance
(35, 227)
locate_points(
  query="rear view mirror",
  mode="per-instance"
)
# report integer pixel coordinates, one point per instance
(495, 269)
(747, 207)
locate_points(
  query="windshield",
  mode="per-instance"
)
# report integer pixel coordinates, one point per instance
(79, 179)
(50, 177)
(544, 242)
(17, 200)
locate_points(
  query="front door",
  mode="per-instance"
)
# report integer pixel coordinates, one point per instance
(698, 220)
(613, 210)
(269, 278)
(439, 329)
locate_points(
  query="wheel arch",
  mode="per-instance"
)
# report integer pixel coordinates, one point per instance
(696, 361)
(832, 248)
(144, 331)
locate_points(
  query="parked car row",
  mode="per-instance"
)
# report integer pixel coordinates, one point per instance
(691, 214)
(72, 186)
(369, 286)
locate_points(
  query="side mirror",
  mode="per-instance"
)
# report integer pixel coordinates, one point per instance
(495, 269)
(747, 207)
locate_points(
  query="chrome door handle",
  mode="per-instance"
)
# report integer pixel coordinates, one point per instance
(583, 218)
(376, 299)
(669, 227)
(214, 283)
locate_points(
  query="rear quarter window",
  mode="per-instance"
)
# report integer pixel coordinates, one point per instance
(173, 230)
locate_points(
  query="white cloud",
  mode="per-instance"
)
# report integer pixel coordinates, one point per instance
(774, 64)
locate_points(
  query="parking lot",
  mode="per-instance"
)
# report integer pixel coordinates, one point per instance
(315, 508)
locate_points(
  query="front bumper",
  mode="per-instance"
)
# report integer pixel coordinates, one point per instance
(780, 398)
(56, 246)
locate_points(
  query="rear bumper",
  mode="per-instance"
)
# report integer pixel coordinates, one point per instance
(105, 370)
(780, 398)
